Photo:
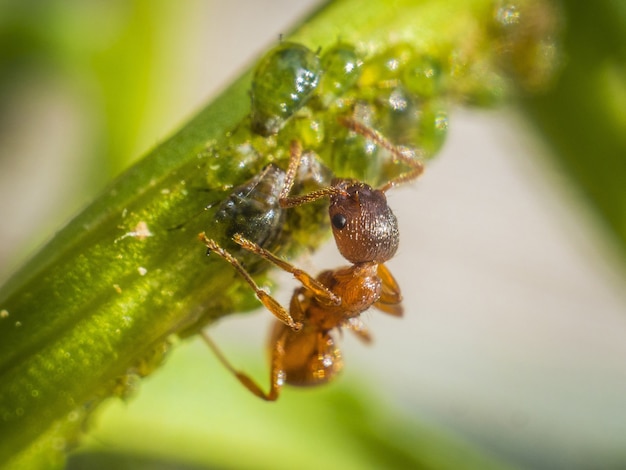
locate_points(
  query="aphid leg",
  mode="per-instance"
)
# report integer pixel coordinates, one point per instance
(402, 154)
(277, 376)
(266, 299)
(285, 200)
(390, 298)
(319, 290)
(356, 325)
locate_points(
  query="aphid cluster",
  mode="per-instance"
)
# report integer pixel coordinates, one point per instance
(317, 107)
(298, 94)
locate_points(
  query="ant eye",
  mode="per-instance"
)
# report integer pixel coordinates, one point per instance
(339, 221)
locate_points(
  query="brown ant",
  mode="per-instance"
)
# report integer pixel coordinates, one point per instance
(303, 351)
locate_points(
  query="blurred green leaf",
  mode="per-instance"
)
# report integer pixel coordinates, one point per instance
(583, 117)
(172, 420)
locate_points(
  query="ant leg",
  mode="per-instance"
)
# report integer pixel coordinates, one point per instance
(390, 298)
(395, 310)
(295, 156)
(266, 299)
(356, 325)
(402, 154)
(295, 306)
(277, 375)
(309, 282)
(285, 200)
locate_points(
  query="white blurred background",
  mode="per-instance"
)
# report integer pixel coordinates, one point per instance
(515, 325)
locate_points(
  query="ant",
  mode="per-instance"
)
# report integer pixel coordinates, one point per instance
(303, 351)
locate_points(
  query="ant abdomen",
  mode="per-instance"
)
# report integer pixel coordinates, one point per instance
(310, 358)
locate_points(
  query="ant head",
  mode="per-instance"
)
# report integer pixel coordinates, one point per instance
(364, 227)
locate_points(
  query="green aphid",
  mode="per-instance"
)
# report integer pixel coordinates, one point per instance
(384, 70)
(284, 81)
(433, 127)
(423, 77)
(342, 69)
(350, 154)
(409, 121)
(399, 116)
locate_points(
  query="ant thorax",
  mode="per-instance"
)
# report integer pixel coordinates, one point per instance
(358, 287)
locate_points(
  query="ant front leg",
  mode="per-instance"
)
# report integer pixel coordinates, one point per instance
(277, 376)
(390, 297)
(402, 154)
(287, 201)
(266, 299)
(309, 282)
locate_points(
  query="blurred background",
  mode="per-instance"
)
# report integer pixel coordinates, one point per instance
(514, 335)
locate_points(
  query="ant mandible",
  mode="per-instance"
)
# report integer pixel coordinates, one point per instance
(303, 351)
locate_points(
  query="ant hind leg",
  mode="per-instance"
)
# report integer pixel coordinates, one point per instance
(277, 373)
